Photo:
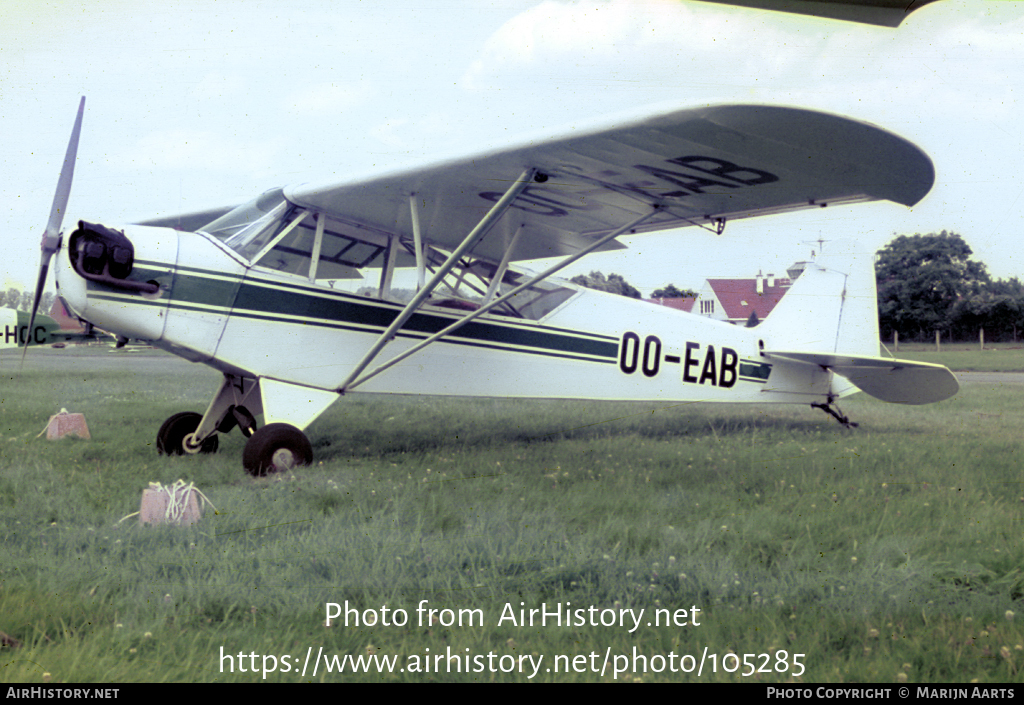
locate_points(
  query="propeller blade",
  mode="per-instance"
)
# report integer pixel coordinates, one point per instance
(67, 172)
(51, 236)
(44, 268)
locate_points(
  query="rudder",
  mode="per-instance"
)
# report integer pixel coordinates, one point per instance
(832, 307)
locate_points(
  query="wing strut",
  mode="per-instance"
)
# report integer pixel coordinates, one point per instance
(417, 242)
(349, 385)
(470, 241)
(318, 241)
(499, 273)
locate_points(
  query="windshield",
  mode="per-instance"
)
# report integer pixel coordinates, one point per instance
(240, 227)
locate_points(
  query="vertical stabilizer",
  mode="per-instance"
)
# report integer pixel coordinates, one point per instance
(832, 307)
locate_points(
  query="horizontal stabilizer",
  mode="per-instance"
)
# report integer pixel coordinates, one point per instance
(888, 379)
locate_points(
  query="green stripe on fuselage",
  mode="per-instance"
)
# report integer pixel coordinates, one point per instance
(262, 299)
(204, 291)
(282, 301)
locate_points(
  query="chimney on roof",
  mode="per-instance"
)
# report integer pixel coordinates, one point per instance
(771, 280)
(760, 283)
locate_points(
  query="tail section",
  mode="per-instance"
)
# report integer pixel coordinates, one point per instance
(832, 307)
(829, 319)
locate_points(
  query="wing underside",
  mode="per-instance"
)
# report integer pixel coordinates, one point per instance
(697, 167)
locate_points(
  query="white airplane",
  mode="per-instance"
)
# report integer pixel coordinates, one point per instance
(407, 282)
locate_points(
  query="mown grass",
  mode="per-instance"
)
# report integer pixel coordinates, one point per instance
(994, 357)
(892, 551)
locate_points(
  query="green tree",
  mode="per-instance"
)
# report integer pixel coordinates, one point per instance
(613, 284)
(998, 309)
(921, 278)
(673, 292)
(46, 303)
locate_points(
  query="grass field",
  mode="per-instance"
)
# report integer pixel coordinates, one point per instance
(887, 553)
(995, 357)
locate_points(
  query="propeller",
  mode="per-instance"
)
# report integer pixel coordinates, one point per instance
(51, 236)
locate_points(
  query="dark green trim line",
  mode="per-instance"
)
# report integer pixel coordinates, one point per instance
(451, 341)
(386, 305)
(755, 370)
(262, 300)
(420, 326)
(253, 297)
(194, 289)
(201, 290)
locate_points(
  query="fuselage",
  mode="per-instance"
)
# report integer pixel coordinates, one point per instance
(210, 306)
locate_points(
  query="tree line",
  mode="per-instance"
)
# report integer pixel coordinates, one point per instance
(617, 284)
(929, 283)
(21, 300)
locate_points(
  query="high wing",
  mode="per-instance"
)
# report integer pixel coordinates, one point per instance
(700, 166)
(887, 13)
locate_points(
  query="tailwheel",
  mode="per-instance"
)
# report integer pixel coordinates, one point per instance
(175, 436)
(833, 410)
(276, 446)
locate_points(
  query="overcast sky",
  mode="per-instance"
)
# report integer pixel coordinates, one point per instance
(199, 103)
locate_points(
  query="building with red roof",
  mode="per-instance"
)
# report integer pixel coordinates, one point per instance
(734, 300)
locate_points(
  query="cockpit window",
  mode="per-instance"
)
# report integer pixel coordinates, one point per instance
(269, 232)
(341, 255)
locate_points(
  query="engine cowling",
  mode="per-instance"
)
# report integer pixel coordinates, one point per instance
(105, 255)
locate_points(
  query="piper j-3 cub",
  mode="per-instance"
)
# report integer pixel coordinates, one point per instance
(407, 282)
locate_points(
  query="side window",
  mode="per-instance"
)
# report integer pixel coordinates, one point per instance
(341, 253)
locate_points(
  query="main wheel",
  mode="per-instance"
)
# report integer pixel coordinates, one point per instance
(173, 435)
(276, 446)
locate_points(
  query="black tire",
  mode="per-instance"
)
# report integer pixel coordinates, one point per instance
(276, 446)
(170, 439)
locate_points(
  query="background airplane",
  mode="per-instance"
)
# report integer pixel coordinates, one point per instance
(17, 329)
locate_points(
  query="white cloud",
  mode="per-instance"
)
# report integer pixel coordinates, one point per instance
(639, 41)
(326, 99)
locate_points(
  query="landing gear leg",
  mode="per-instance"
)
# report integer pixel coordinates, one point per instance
(234, 405)
(832, 409)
